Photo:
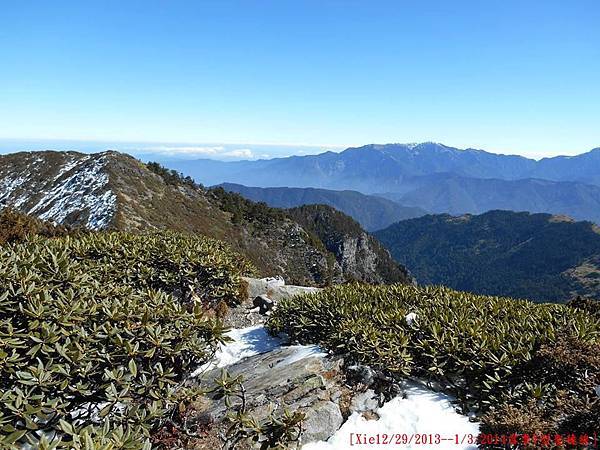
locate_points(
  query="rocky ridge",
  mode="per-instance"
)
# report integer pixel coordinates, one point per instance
(111, 190)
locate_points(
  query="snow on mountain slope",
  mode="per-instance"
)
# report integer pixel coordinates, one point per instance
(64, 187)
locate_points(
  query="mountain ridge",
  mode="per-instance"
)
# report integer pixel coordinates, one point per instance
(543, 257)
(416, 170)
(372, 212)
(111, 190)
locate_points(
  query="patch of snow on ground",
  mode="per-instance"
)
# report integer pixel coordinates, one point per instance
(84, 190)
(301, 352)
(422, 412)
(410, 318)
(8, 185)
(251, 341)
(247, 341)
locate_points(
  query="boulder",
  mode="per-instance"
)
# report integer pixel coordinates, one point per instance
(321, 422)
(263, 303)
(277, 380)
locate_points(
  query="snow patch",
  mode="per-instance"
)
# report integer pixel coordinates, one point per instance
(84, 190)
(421, 412)
(9, 185)
(302, 352)
(251, 341)
(410, 318)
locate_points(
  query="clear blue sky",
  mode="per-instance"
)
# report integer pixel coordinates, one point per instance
(507, 76)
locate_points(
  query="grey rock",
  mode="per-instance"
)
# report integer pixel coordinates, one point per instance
(321, 422)
(272, 383)
(273, 289)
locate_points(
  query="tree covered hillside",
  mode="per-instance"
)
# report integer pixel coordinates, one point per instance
(536, 256)
(372, 212)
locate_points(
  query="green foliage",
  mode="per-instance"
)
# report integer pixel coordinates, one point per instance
(172, 176)
(471, 345)
(243, 211)
(588, 305)
(534, 256)
(16, 227)
(273, 432)
(98, 333)
(558, 396)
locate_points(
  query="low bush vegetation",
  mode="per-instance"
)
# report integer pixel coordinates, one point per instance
(16, 227)
(491, 353)
(171, 176)
(99, 332)
(588, 305)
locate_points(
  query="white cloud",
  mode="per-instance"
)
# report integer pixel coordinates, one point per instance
(218, 151)
(238, 153)
(185, 150)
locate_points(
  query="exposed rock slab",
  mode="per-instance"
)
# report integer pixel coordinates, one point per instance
(287, 378)
(274, 289)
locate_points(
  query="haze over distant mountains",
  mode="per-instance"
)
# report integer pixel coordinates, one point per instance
(431, 176)
(373, 213)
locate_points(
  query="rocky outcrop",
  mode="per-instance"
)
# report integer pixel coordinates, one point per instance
(359, 256)
(274, 381)
(271, 289)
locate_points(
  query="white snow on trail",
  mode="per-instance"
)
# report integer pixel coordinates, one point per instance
(422, 412)
(251, 341)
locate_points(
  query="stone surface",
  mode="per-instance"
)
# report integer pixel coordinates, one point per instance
(275, 289)
(322, 421)
(275, 380)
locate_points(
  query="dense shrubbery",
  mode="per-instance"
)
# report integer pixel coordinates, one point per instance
(588, 305)
(489, 352)
(95, 340)
(16, 227)
(243, 210)
(171, 176)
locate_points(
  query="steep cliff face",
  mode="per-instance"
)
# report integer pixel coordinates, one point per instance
(359, 255)
(111, 190)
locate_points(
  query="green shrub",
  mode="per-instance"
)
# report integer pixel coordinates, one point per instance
(95, 340)
(16, 227)
(473, 346)
(588, 305)
(558, 396)
(171, 176)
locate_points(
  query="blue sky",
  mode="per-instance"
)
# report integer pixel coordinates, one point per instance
(506, 76)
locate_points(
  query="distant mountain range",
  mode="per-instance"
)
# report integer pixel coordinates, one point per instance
(373, 213)
(536, 256)
(114, 191)
(431, 176)
(453, 194)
